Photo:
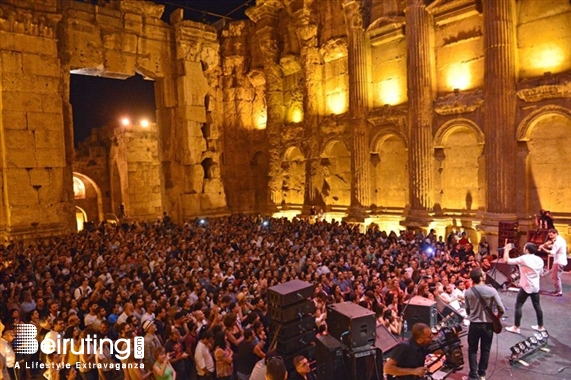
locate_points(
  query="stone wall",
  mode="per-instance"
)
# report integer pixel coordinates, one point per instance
(403, 112)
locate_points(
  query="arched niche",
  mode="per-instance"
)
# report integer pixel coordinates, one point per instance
(390, 166)
(293, 176)
(88, 197)
(459, 146)
(548, 178)
(337, 176)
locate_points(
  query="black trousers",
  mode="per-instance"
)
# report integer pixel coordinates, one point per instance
(522, 296)
(479, 334)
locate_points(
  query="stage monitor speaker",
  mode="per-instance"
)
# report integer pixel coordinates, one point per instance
(448, 312)
(502, 266)
(420, 309)
(329, 358)
(351, 324)
(496, 278)
(289, 293)
(385, 340)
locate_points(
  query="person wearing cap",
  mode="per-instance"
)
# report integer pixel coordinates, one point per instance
(151, 342)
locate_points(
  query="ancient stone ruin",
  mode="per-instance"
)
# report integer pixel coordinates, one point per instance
(421, 113)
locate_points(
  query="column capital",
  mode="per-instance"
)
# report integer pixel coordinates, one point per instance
(354, 17)
(267, 9)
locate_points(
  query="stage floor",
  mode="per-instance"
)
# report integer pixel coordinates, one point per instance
(555, 364)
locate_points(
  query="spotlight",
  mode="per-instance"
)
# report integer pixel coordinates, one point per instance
(144, 123)
(202, 222)
(125, 121)
(265, 223)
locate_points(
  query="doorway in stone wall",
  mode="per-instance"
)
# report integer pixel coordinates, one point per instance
(105, 110)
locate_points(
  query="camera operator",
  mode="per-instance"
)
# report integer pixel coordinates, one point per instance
(481, 330)
(406, 361)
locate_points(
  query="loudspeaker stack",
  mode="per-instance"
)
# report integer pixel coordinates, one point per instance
(292, 321)
(349, 351)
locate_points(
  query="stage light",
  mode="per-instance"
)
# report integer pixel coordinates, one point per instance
(202, 222)
(125, 121)
(144, 123)
(265, 223)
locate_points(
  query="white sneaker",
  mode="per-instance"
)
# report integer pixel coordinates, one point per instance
(513, 329)
(537, 328)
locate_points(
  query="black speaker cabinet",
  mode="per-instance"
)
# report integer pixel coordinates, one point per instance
(289, 293)
(291, 313)
(288, 330)
(329, 357)
(447, 313)
(293, 343)
(364, 363)
(502, 266)
(419, 309)
(496, 278)
(351, 324)
(385, 340)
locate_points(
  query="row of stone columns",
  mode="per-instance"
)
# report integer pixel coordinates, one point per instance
(499, 112)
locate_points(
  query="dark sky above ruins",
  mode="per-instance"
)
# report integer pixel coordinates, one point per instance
(98, 101)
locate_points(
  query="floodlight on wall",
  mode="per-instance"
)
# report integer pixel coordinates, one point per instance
(459, 77)
(125, 121)
(337, 102)
(144, 123)
(390, 91)
(548, 57)
(296, 115)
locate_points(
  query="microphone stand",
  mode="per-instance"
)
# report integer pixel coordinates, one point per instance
(406, 306)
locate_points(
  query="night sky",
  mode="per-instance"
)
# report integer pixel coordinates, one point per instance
(98, 101)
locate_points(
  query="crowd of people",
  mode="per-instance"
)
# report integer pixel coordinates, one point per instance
(196, 292)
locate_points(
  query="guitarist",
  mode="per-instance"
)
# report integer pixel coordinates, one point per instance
(481, 332)
(530, 268)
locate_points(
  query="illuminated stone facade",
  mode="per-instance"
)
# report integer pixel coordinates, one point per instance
(436, 114)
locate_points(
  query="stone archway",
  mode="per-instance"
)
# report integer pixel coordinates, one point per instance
(458, 150)
(80, 217)
(337, 175)
(548, 178)
(88, 198)
(390, 163)
(293, 177)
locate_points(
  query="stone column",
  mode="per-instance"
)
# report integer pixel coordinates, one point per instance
(499, 116)
(265, 16)
(358, 108)
(306, 29)
(420, 97)
(500, 103)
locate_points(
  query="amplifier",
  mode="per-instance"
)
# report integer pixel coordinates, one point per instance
(293, 312)
(351, 324)
(289, 293)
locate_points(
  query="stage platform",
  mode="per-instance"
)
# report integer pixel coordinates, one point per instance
(555, 364)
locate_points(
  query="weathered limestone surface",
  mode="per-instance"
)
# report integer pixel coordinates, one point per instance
(417, 113)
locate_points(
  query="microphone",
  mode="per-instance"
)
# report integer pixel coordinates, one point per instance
(503, 248)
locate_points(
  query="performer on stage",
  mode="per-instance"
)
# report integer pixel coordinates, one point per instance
(559, 252)
(406, 361)
(530, 269)
(481, 330)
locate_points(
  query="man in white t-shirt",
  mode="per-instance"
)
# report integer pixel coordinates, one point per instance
(559, 253)
(530, 268)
